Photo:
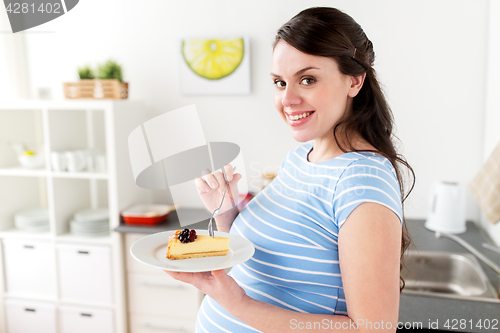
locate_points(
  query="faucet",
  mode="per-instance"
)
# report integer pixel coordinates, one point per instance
(492, 247)
(471, 249)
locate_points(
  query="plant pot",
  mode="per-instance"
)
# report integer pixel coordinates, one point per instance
(96, 89)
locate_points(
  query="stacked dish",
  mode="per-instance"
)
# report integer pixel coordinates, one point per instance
(90, 223)
(34, 220)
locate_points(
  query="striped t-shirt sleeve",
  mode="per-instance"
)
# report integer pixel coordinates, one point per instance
(370, 179)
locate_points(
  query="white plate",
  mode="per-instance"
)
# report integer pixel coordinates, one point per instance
(89, 225)
(99, 214)
(32, 215)
(42, 228)
(22, 223)
(152, 251)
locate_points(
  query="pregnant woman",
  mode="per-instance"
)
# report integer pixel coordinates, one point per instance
(329, 230)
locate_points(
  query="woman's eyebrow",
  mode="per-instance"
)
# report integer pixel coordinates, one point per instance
(298, 72)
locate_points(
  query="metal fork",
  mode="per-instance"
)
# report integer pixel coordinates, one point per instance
(210, 224)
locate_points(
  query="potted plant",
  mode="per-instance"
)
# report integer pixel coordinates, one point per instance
(107, 84)
(86, 73)
(110, 70)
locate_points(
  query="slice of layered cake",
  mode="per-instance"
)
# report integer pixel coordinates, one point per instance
(184, 244)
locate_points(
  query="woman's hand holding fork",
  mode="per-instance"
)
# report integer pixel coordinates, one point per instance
(211, 189)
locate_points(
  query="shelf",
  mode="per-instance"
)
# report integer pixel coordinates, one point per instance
(79, 175)
(16, 233)
(30, 297)
(99, 126)
(70, 238)
(57, 302)
(171, 223)
(80, 104)
(82, 304)
(24, 172)
(19, 171)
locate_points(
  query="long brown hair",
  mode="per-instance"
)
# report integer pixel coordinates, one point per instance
(328, 32)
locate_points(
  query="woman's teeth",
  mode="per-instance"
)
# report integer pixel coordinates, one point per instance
(300, 116)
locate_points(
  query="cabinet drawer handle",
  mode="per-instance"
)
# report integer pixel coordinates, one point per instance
(86, 314)
(83, 252)
(158, 285)
(29, 247)
(29, 310)
(163, 328)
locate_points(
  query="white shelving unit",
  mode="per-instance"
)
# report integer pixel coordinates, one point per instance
(69, 125)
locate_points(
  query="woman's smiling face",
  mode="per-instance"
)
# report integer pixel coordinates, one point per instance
(310, 93)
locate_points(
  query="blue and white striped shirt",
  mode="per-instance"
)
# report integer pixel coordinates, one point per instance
(294, 224)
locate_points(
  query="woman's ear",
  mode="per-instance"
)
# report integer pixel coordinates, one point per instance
(356, 84)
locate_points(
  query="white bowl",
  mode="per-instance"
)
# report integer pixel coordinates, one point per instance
(31, 161)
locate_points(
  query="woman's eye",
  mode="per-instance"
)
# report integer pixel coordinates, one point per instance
(308, 80)
(279, 84)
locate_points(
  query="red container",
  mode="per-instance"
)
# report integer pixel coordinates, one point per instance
(146, 214)
(244, 200)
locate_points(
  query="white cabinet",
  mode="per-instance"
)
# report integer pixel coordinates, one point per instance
(30, 268)
(95, 279)
(160, 295)
(26, 316)
(144, 324)
(23, 316)
(84, 273)
(132, 264)
(156, 302)
(85, 320)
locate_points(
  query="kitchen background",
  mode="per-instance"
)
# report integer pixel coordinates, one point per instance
(437, 61)
(432, 58)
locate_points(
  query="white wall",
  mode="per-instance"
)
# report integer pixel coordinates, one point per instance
(13, 62)
(431, 59)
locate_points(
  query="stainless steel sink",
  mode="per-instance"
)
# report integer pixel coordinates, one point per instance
(451, 275)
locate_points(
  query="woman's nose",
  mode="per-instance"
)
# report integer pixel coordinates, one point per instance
(290, 97)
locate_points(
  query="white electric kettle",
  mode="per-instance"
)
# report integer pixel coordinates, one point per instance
(447, 208)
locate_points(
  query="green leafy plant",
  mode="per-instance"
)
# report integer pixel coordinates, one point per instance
(110, 70)
(86, 73)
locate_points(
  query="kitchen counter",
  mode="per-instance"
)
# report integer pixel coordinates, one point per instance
(170, 223)
(445, 313)
(431, 312)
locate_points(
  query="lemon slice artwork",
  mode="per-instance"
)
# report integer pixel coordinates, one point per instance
(213, 59)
